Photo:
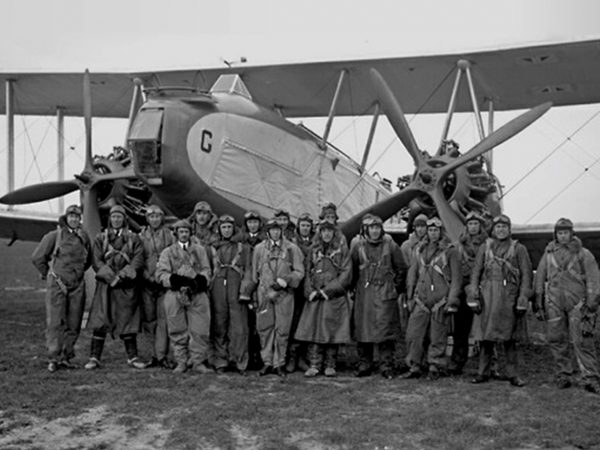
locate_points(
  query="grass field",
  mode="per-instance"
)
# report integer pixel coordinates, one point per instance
(117, 407)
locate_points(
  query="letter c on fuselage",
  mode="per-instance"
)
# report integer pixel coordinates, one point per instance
(205, 138)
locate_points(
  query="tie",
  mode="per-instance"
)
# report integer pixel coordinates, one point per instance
(185, 247)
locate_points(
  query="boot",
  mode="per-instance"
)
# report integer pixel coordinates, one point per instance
(315, 358)
(292, 363)
(95, 351)
(330, 358)
(130, 342)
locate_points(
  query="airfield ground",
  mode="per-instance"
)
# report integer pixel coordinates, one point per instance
(117, 407)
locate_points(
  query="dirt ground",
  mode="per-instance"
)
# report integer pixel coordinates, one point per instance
(120, 408)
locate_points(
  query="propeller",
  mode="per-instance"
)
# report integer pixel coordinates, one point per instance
(87, 181)
(431, 173)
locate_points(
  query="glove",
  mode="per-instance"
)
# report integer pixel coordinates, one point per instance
(520, 312)
(127, 273)
(177, 281)
(450, 309)
(475, 305)
(200, 283)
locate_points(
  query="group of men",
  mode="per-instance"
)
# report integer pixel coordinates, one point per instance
(278, 296)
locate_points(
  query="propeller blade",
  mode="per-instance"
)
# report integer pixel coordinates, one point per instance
(452, 222)
(39, 192)
(395, 115)
(127, 172)
(503, 133)
(385, 209)
(87, 115)
(91, 214)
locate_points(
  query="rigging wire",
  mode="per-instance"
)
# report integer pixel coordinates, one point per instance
(555, 196)
(393, 140)
(559, 146)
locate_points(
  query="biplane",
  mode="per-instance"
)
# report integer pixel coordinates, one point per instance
(225, 135)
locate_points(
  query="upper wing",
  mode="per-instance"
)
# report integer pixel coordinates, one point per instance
(536, 237)
(516, 78)
(25, 226)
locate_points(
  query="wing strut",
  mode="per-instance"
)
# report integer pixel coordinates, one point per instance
(464, 66)
(10, 136)
(332, 108)
(363, 163)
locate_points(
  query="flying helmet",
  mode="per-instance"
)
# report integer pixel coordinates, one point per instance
(272, 223)
(328, 208)
(117, 209)
(226, 218)
(421, 219)
(326, 225)
(251, 215)
(182, 223)
(474, 216)
(281, 212)
(563, 224)
(435, 222)
(305, 217)
(502, 218)
(154, 209)
(202, 206)
(73, 209)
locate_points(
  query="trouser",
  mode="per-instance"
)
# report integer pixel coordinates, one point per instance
(319, 352)
(97, 345)
(423, 326)
(255, 361)
(230, 331)
(463, 320)
(365, 354)
(296, 349)
(188, 322)
(154, 319)
(564, 325)
(486, 357)
(64, 312)
(274, 320)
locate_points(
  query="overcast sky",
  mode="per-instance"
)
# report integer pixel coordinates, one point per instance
(70, 35)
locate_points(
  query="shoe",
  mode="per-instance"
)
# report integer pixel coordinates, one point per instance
(280, 372)
(388, 374)
(242, 372)
(480, 379)
(154, 362)
(516, 382)
(302, 365)
(455, 371)
(412, 373)
(180, 368)
(496, 375)
(165, 363)
(220, 370)
(52, 366)
(563, 383)
(433, 375)
(592, 386)
(363, 371)
(202, 369)
(290, 367)
(92, 364)
(330, 372)
(266, 370)
(136, 363)
(66, 364)
(311, 372)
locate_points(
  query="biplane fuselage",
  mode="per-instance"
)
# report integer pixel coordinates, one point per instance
(237, 155)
